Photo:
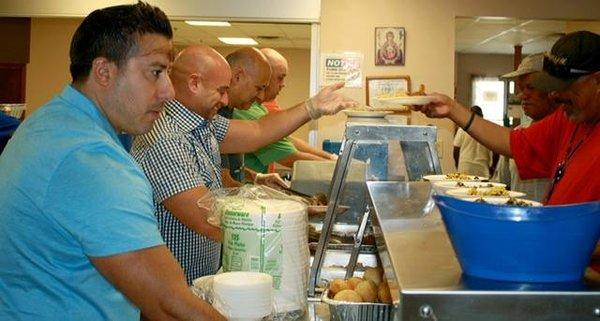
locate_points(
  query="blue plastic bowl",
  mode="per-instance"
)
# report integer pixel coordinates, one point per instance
(521, 244)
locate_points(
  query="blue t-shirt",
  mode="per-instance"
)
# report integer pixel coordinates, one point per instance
(69, 192)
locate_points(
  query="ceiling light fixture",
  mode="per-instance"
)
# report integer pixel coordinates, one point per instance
(208, 23)
(238, 41)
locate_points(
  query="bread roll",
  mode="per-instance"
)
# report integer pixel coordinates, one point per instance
(338, 285)
(383, 293)
(347, 295)
(367, 291)
(352, 282)
(373, 274)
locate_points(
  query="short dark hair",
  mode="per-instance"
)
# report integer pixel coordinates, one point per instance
(114, 33)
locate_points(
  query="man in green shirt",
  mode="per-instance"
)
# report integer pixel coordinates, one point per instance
(259, 160)
(284, 151)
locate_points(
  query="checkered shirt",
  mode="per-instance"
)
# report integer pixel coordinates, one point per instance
(182, 152)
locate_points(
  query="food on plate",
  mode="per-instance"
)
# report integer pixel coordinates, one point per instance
(367, 291)
(318, 199)
(383, 293)
(393, 94)
(460, 176)
(374, 274)
(511, 201)
(490, 191)
(338, 285)
(482, 185)
(420, 92)
(348, 295)
(353, 281)
(517, 202)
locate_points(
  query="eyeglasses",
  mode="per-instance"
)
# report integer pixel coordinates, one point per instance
(556, 66)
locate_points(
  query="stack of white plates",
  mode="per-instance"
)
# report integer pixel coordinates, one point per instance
(274, 235)
(291, 295)
(243, 296)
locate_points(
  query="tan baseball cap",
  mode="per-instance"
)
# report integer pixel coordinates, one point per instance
(530, 64)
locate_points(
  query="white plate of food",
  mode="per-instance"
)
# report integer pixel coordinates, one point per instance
(443, 186)
(454, 177)
(496, 191)
(510, 201)
(405, 100)
(367, 113)
(460, 184)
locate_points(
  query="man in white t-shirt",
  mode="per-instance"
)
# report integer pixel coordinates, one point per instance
(470, 156)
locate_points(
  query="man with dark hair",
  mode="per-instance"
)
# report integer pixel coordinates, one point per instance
(564, 146)
(78, 237)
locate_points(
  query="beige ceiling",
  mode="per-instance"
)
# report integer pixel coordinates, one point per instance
(500, 35)
(272, 35)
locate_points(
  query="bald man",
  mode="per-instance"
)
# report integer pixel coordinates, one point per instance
(180, 156)
(251, 73)
(287, 150)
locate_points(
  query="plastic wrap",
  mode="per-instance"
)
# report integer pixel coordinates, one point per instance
(250, 299)
(265, 231)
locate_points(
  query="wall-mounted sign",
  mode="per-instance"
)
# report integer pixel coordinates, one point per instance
(342, 67)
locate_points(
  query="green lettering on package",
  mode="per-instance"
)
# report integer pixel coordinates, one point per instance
(253, 242)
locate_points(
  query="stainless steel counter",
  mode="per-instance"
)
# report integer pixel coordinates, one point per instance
(426, 279)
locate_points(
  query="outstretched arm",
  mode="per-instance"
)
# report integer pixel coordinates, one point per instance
(493, 136)
(247, 136)
(302, 146)
(289, 161)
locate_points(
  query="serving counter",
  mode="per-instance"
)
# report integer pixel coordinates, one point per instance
(426, 279)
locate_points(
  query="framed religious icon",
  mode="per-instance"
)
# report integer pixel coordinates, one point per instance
(381, 89)
(389, 46)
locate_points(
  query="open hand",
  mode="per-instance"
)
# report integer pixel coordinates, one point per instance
(328, 101)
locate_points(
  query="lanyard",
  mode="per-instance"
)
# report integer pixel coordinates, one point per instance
(561, 168)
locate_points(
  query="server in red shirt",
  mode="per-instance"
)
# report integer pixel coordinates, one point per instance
(565, 145)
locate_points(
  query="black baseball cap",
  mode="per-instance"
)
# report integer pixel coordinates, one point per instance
(574, 55)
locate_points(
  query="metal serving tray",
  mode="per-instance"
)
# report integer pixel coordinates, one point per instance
(418, 261)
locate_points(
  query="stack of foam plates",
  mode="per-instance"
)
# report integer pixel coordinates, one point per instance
(243, 296)
(270, 236)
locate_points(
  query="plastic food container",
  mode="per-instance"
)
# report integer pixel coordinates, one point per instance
(521, 244)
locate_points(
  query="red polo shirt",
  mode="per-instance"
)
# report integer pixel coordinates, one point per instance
(538, 149)
(272, 106)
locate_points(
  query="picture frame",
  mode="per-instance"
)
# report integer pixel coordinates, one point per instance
(390, 46)
(385, 86)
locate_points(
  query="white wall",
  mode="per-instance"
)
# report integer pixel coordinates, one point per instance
(48, 68)
(429, 24)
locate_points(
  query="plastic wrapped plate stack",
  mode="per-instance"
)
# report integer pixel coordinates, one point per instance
(270, 236)
(243, 296)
